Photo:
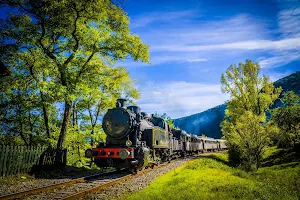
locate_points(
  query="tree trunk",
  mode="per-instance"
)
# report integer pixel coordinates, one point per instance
(63, 132)
(46, 120)
(92, 133)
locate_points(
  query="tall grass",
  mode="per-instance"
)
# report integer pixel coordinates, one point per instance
(210, 177)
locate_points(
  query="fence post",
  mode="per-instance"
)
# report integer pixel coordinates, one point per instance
(2, 159)
(20, 160)
(10, 160)
(2, 148)
(27, 161)
(5, 160)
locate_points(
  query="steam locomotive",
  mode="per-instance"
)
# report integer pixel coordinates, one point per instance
(137, 140)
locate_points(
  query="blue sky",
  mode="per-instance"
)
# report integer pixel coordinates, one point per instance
(192, 43)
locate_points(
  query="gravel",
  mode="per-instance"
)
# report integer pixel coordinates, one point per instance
(19, 186)
(20, 183)
(15, 184)
(137, 183)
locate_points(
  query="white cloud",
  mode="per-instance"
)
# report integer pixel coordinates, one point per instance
(278, 75)
(279, 59)
(195, 41)
(228, 30)
(158, 17)
(289, 18)
(285, 44)
(179, 99)
(196, 60)
(160, 59)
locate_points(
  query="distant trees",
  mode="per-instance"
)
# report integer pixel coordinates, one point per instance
(61, 56)
(287, 119)
(167, 118)
(244, 125)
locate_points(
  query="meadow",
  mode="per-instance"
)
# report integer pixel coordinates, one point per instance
(210, 177)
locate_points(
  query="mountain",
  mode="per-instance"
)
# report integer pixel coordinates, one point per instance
(208, 122)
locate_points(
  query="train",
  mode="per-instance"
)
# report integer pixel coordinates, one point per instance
(137, 140)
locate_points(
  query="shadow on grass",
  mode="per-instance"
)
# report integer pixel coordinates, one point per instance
(216, 158)
(282, 157)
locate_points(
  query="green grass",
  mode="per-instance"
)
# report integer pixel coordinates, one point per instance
(211, 178)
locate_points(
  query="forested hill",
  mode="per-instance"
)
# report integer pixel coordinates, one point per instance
(208, 122)
(291, 82)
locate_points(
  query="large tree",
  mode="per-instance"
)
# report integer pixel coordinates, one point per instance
(251, 95)
(60, 45)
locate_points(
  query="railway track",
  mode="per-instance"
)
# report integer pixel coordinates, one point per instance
(54, 187)
(80, 187)
(76, 188)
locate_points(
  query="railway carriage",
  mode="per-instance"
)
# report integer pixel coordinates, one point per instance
(221, 145)
(210, 144)
(197, 144)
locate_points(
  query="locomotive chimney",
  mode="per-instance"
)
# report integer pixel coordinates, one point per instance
(121, 103)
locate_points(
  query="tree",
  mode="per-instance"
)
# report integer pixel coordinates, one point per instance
(287, 119)
(64, 44)
(244, 124)
(167, 118)
(97, 101)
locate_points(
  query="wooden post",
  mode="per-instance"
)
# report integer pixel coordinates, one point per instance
(14, 159)
(20, 160)
(5, 160)
(10, 160)
(2, 159)
(28, 159)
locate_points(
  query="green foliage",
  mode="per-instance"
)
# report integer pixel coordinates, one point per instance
(287, 119)
(290, 98)
(62, 57)
(76, 142)
(167, 119)
(209, 177)
(244, 124)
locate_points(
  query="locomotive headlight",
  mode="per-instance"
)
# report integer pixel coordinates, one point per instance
(128, 143)
(124, 153)
(89, 153)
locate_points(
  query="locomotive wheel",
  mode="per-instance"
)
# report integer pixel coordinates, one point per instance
(133, 171)
(118, 169)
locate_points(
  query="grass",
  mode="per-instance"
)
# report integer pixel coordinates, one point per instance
(210, 177)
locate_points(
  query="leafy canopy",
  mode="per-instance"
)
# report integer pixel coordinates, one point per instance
(60, 54)
(243, 127)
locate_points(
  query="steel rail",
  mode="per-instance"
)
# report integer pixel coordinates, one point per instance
(51, 187)
(113, 182)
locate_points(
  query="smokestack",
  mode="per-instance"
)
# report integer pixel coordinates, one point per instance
(121, 103)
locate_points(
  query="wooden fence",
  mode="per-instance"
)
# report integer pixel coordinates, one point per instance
(21, 159)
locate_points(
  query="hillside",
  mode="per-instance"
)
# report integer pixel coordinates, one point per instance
(208, 122)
